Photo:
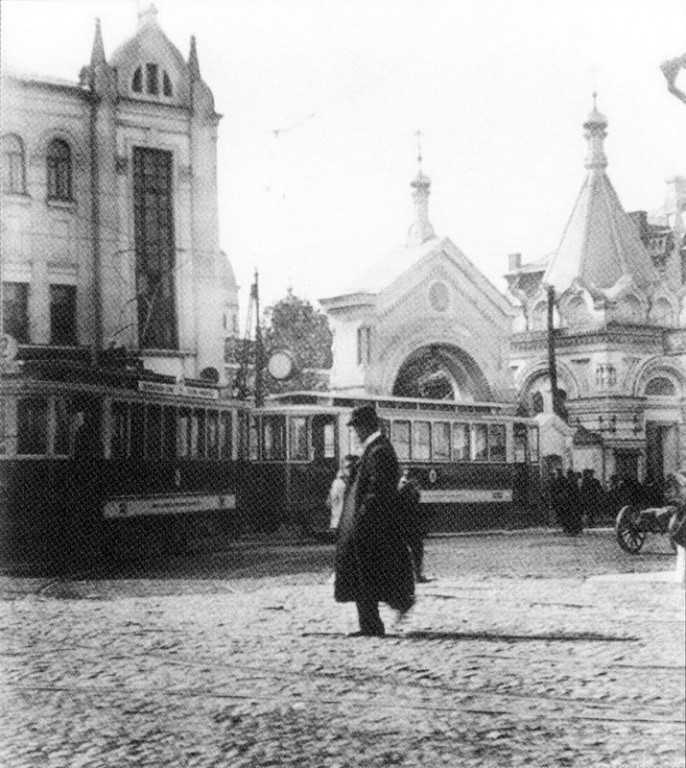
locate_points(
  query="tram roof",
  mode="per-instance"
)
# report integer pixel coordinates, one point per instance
(333, 399)
(112, 377)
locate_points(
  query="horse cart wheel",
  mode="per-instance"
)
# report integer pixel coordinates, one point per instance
(629, 536)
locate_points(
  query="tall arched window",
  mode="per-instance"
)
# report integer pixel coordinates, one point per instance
(59, 170)
(662, 313)
(167, 86)
(13, 165)
(539, 317)
(629, 310)
(577, 311)
(154, 78)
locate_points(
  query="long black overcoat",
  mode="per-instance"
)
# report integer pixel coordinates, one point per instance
(372, 556)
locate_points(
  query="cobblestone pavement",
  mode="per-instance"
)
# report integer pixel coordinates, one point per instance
(512, 656)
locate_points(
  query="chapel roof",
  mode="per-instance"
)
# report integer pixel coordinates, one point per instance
(600, 244)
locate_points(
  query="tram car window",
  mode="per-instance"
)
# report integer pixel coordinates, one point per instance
(496, 443)
(534, 456)
(153, 432)
(479, 442)
(421, 441)
(330, 441)
(400, 437)
(137, 444)
(461, 442)
(225, 435)
(440, 434)
(32, 417)
(63, 426)
(169, 433)
(519, 434)
(298, 439)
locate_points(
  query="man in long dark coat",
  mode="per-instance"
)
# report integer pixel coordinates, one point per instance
(373, 562)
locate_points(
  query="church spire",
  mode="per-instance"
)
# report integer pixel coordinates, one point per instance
(600, 245)
(193, 63)
(98, 51)
(421, 230)
(595, 127)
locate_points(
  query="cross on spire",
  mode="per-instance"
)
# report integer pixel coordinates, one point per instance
(418, 133)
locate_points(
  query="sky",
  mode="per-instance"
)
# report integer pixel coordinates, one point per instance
(321, 101)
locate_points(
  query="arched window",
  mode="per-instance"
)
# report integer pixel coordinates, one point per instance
(137, 81)
(662, 313)
(59, 170)
(13, 164)
(661, 386)
(577, 311)
(156, 80)
(539, 320)
(629, 310)
(152, 85)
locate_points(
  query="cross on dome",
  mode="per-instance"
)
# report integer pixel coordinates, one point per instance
(421, 230)
(147, 14)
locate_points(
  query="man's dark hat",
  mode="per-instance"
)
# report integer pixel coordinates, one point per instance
(364, 415)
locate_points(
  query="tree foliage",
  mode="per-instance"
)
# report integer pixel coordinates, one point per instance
(295, 325)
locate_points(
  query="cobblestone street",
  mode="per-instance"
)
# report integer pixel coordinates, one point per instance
(524, 650)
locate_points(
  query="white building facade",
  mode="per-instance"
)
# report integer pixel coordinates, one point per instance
(423, 321)
(109, 210)
(620, 304)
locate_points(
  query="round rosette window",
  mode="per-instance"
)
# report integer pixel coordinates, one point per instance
(439, 297)
(281, 365)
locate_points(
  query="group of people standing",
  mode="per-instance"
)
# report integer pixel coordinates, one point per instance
(378, 557)
(579, 500)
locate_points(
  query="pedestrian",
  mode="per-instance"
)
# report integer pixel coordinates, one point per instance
(558, 496)
(339, 488)
(592, 497)
(572, 515)
(373, 562)
(413, 521)
(84, 486)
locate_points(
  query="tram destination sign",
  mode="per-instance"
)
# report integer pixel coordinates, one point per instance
(162, 388)
(466, 496)
(167, 505)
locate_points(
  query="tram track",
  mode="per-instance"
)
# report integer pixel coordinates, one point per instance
(361, 678)
(607, 713)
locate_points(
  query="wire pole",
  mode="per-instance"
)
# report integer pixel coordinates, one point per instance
(552, 364)
(259, 356)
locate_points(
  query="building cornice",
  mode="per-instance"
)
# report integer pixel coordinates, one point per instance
(576, 339)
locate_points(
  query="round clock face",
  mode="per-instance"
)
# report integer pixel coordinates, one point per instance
(439, 297)
(280, 365)
(8, 347)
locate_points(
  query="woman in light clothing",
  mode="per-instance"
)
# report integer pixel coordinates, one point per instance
(339, 488)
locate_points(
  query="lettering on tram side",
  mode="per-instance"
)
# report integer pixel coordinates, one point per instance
(167, 505)
(161, 388)
(466, 496)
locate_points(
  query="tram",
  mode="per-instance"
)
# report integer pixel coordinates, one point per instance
(477, 464)
(97, 460)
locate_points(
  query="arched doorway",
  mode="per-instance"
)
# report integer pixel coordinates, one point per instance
(441, 372)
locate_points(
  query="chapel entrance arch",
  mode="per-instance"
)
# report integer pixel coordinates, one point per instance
(441, 372)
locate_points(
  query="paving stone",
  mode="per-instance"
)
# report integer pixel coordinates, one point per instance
(491, 668)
